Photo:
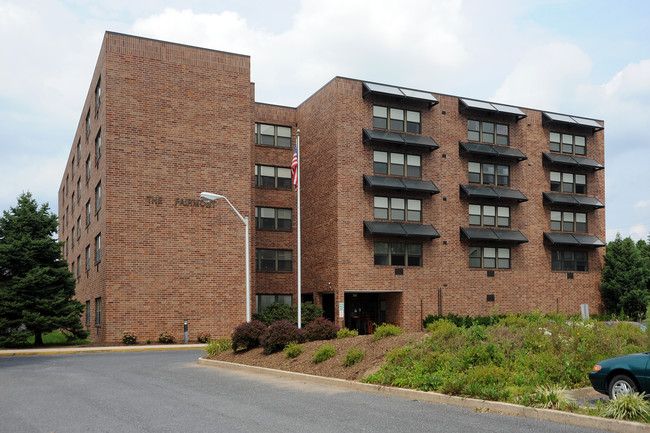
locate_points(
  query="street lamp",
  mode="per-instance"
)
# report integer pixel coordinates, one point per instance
(209, 197)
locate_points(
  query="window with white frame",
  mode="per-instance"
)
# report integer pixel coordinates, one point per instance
(98, 95)
(273, 260)
(488, 132)
(98, 248)
(568, 143)
(264, 300)
(398, 254)
(396, 119)
(98, 196)
(563, 260)
(271, 218)
(98, 145)
(397, 164)
(88, 213)
(273, 177)
(98, 311)
(88, 123)
(491, 216)
(88, 168)
(397, 209)
(87, 257)
(87, 313)
(488, 174)
(489, 257)
(272, 135)
(568, 182)
(569, 221)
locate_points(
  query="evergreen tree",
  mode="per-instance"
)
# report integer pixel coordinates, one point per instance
(36, 287)
(624, 285)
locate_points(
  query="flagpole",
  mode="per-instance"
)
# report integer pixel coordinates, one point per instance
(299, 243)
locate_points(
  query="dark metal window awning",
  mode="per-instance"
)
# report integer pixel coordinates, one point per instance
(397, 183)
(481, 191)
(399, 139)
(405, 230)
(472, 105)
(572, 200)
(499, 152)
(492, 235)
(398, 93)
(572, 161)
(567, 239)
(564, 120)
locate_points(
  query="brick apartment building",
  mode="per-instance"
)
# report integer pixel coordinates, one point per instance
(413, 202)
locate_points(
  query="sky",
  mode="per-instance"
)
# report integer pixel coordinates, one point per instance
(587, 58)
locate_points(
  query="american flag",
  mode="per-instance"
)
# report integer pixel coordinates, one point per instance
(294, 165)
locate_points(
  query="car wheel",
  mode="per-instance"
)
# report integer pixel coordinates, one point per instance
(621, 384)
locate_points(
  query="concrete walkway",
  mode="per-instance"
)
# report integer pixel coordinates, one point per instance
(96, 349)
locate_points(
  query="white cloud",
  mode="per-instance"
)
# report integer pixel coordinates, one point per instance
(545, 76)
(642, 204)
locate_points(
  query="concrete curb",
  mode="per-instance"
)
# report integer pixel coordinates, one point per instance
(74, 350)
(556, 416)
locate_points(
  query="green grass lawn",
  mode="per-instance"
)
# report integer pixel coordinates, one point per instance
(54, 338)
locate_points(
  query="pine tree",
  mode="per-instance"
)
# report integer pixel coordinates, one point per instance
(36, 287)
(624, 286)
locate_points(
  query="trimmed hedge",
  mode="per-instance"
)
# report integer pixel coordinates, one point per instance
(278, 335)
(320, 329)
(247, 335)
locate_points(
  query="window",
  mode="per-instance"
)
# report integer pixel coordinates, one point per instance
(569, 261)
(88, 168)
(487, 132)
(397, 164)
(569, 221)
(98, 248)
(63, 222)
(79, 188)
(567, 143)
(98, 196)
(270, 218)
(73, 201)
(98, 95)
(489, 174)
(78, 266)
(273, 260)
(489, 258)
(398, 209)
(72, 237)
(87, 313)
(67, 182)
(72, 168)
(88, 123)
(67, 247)
(396, 119)
(78, 151)
(98, 145)
(482, 215)
(87, 257)
(98, 311)
(273, 177)
(78, 228)
(398, 254)
(272, 135)
(88, 213)
(568, 182)
(264, 301)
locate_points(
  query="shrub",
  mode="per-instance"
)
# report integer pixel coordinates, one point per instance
(166, 338)
(247, 335)
(293, 349)
(325, 352)
(353, 356)
(129, 337)
(550, 397)
(278, 311)
(320, 329)
(345, 333)
(278, 335)
(217, 346)
(203, 337)
(386, 330)
(630, 406)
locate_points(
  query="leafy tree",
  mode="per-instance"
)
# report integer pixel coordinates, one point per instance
(624, 285)
(278, 311)
(36, 288)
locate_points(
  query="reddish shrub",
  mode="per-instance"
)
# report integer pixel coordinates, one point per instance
(278, 335)
(247, 335)
(320, 329)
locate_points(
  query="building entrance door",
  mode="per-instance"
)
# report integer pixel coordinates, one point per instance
(328, 306)
(362, 312)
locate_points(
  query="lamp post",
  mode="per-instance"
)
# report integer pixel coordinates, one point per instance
(209, 197)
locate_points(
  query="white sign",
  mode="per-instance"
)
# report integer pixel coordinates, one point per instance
(341, 310)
